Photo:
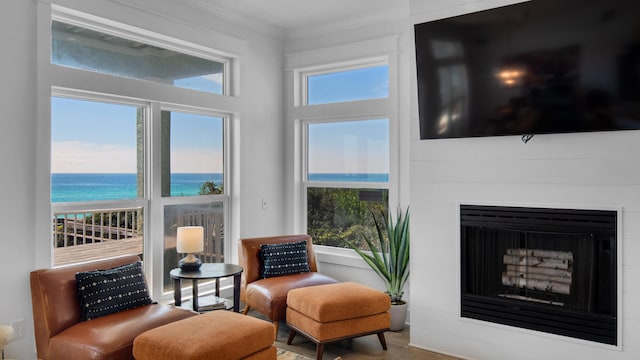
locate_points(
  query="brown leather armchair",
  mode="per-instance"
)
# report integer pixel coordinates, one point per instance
(56, 316)
(269, 296)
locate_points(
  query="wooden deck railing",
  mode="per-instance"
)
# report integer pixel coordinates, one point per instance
(86, 236)
(80, 237)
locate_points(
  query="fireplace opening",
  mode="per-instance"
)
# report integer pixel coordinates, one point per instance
(550, 270)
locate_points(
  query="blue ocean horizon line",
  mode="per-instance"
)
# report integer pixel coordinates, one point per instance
(356, 177)
(71, 187)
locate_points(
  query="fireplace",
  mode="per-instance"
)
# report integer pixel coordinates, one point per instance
(544, 269)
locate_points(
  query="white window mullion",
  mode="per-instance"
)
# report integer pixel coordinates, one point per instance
(155, 215)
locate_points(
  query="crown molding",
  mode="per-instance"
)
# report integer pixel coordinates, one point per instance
(350, 22)
(250, 23)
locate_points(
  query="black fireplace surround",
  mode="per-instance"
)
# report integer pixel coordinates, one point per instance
(544, 269)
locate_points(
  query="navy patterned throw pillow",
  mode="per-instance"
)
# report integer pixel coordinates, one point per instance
(284, 259)
(103, 292)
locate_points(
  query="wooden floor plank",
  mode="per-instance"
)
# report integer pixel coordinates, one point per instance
(101, 250)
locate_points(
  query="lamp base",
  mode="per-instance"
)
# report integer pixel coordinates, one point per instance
(189, 263)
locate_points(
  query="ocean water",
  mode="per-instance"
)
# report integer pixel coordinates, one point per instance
(91, 187)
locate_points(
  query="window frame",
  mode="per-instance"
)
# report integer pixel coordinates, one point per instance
(305, 74)
(163, 201)
(226, 138)
(90, 206)
(72, 17)
(303, 114)
(55, 80)
(306, 183)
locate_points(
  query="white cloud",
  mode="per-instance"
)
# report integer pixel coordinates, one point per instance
(196, 161)
(216, 78)
(83, 157)
(338, 163)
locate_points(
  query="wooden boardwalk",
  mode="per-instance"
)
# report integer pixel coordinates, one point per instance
(106, 248)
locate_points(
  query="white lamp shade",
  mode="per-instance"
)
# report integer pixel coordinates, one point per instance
(190, 239)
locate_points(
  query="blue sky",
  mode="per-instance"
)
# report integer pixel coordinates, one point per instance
(88, 137)
(349, 147)
(358, 84)
(94, 137)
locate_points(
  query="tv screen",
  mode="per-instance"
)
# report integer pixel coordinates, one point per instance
(538, 67)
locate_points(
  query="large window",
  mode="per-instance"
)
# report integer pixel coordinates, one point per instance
(131, 158)
(98, 178)
(82, 48)
(346, 161)
(94, 159)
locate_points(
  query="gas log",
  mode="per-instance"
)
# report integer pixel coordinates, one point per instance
(540, 285)
(531, 261)
(542, 270)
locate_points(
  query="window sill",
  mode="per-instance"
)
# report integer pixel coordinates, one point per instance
(339, 256)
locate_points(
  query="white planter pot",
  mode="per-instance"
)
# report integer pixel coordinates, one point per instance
(398, 316)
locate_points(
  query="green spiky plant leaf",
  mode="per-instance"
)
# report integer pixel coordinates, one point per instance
(388, 254)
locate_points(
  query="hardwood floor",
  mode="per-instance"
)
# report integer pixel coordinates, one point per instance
(363, 348)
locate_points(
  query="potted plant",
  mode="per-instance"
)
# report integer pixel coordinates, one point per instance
(388, 256)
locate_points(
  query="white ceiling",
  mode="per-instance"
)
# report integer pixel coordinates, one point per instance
(292, 14)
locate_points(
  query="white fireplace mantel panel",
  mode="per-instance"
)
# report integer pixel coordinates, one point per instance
(588, 170)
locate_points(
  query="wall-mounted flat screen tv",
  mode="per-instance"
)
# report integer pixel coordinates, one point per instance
(537, 67)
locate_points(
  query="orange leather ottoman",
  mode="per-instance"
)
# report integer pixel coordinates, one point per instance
(216, 335)
(327, 313)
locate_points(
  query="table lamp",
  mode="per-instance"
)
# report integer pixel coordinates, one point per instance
(190, 240)
(7, 334)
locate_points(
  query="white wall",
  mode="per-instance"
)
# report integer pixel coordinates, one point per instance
(262, 140)
(596, 170)
(17, 183)
(258, 151)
